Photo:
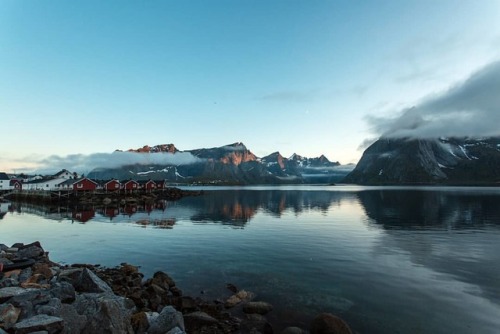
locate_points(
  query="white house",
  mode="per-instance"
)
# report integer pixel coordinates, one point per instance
(45, 184)
(50, 183)
(4, 181)
(65, 174)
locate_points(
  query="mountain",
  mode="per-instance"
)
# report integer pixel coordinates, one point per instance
(429, 161)
(168, 148)
(228, 164)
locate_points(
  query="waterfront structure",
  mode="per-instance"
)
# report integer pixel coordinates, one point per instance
(112, 185)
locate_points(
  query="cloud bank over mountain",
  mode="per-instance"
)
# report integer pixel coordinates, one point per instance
(84, 163)
(469, 109)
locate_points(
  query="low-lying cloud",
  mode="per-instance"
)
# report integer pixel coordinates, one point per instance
(469, 109)
(82, 163)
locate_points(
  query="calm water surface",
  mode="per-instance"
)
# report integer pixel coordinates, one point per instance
(388, 260)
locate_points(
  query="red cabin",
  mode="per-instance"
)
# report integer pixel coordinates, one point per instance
(161, 184)
(148, 185)
(112, 185)
(84, 184)
(16, 184)
(130, 185)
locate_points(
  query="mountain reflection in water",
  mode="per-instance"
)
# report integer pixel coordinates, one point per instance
(387, 260)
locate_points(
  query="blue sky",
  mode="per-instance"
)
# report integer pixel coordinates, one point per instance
(295, 76)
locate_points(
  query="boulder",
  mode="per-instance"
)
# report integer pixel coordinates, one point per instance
(30, 252)
(73, 322)
(70, 275)
(257, 307)
(42, 269)
(196, 320)
(9, 292)
(168, 319)
(162, 280)
(326, 323)
(40, 322)
(90, 282)
(256, 323)
(8, 315)
(140, 322)
(237, 298)
(105, 312)
(53, 307)
(176, 330)
(293, 330)
(63, 291)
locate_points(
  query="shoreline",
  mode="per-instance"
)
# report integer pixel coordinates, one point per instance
(102, 198)
(37, 294)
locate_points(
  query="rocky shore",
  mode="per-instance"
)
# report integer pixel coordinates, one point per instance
(41, 296)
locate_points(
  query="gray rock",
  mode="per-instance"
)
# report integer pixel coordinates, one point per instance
(90, 282)
(176, 330)
(293, 330)
(63, 291)
(73, 322)
(3, 247)
(5, 261)
(71, 275)
(326, 323)
(25, 274)
(199, 318)
(9, 292)
(168, 319)
(33, 296)
(2, 331)
(256, 323)
(40, 322)
(9, 315)
(53, 307)
(257, 307)
(30, 252)
(8, 282)
(105, 312)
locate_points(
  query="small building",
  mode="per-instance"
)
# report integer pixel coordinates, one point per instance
(65, 174)
(112, 185)
(130, 185)
(82, 184)
(16, 185)
(48, 184)
(161, 184)
(4, 181)
(148, 185)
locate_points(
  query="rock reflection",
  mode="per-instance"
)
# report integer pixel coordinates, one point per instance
(415, 208)
(237, 208)
(455, 248)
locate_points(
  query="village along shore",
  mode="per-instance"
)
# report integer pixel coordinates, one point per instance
(38, 295)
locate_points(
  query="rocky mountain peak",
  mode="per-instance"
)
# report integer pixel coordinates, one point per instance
(169, 148)
(429, 161)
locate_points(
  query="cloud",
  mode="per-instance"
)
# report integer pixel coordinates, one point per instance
(85, 163)
(469, 109)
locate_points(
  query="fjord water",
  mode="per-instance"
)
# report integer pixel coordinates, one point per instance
(387, 260)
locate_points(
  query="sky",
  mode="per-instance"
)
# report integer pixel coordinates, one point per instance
(309, 77)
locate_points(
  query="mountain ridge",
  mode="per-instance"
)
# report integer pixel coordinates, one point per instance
(442, 160)
(228, 164)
